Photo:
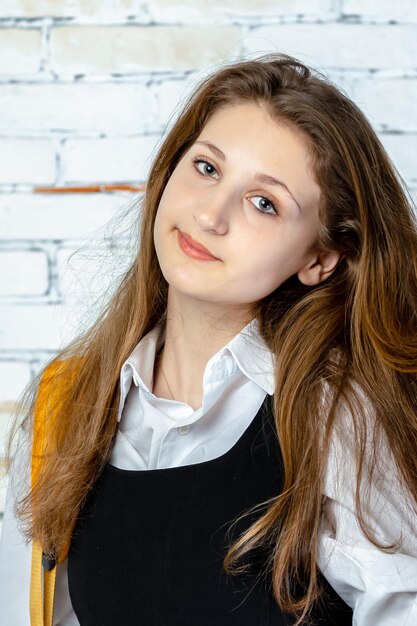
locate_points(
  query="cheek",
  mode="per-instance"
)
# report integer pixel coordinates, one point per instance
(261, 273)
(159, 231)
(260, 276)
(169, 210)
(165, 212)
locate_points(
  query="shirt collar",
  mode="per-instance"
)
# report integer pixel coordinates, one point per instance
(142, 359)
(253, 356)
(248, 349)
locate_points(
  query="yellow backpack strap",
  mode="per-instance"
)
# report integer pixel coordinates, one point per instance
(43, 570)
(42, 590)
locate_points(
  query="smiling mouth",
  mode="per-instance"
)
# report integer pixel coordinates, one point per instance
(194, 249)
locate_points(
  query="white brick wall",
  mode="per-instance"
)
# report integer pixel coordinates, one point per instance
(382, 10)
(23, 272)
(105, 49)
(26, 217)
(36, 327)
(388, 102)
(58, 109)
(27, 161)
(20, 51)
(14, 375)
(342, 45)
(223, 10)
(118, 159)
(86, 274)
(87, 87)
(402, 149)
(82, 9)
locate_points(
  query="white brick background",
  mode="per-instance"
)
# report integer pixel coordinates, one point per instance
(87, 88)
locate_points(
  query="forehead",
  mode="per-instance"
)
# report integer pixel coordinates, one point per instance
(251, 123)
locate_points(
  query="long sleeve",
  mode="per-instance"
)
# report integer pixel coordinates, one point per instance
(15, 557)
(380, 586)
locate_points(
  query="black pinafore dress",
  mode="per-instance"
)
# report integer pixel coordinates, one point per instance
(148, 546)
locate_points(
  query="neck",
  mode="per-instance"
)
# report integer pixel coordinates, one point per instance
(193, 334)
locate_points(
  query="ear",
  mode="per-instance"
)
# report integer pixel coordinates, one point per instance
(319, 268)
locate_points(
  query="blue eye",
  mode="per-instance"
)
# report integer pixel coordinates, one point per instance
(207, 166)
(208, 169)
(269, 209)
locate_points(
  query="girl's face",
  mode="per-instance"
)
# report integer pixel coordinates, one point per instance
(222, 196)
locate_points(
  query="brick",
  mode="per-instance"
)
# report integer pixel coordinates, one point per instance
(80, 272)
(168, 96)
(14, 376)
(405, 10)
(37, 327)
(351, 46)
(58, 216)
(105, 49)
(219, 10)
(67, 8)
(118, 159)
(402, 149)
(388, 103)
(87, 275)
(20, 50)
(101, 108)
(23, 272)
(27, 161)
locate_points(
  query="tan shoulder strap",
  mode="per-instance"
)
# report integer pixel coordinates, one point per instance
(42, 590)
(42, 580)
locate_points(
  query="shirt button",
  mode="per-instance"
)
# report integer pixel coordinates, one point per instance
(184, 430)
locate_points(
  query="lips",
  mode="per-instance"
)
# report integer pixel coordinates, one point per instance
(194, 244)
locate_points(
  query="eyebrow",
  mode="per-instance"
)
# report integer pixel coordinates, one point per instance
(263, 178)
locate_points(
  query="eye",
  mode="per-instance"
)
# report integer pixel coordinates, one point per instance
(266, 206)
(207, 167)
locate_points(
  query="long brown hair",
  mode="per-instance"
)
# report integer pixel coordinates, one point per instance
(353, 335)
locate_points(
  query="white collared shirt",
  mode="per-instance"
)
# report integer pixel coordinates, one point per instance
(156, 433)
(159, 433)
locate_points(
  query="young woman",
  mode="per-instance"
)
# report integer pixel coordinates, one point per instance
(235, 440)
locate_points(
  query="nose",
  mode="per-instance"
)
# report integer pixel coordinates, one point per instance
(213, 216)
